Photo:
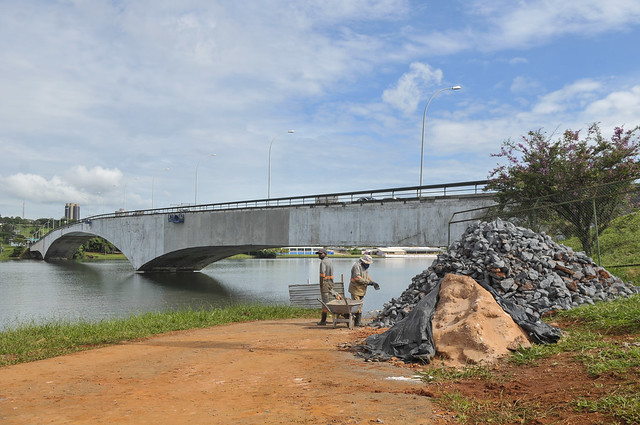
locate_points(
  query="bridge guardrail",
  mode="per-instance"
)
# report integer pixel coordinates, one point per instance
(365, 196)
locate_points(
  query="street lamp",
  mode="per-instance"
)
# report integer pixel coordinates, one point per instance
(424, 116)
(195, 197)
(153, 181)
(269, 179)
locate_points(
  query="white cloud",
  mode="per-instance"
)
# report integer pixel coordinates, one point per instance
(523, 84)
(78, 184)
(410, 88)
(505, 24)
(96, 179)
(572, 96)
(535, 22)
(621, 107)
(518, 61)
(36, 188)
(575, 106)
(341, 11)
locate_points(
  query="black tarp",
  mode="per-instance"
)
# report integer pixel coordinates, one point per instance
(411, 339)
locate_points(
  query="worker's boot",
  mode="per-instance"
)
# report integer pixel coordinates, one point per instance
(356, 319)
(323, 320)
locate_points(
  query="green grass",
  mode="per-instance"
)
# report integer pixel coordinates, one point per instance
(614, 317)
(623, 405)
(616, 359)
(29, 342)
(619, 245)
(586, 327)
(505, 411)
(573, 340)
(592, 336)
(452, 373)
(98, 256)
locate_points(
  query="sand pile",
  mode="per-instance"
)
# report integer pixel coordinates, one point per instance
(469, 326)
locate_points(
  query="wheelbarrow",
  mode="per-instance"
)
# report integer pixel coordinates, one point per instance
(343, 310)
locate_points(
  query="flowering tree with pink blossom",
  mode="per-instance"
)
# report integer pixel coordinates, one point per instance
(564, 177)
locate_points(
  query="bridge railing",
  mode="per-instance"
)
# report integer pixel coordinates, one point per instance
(377, 195)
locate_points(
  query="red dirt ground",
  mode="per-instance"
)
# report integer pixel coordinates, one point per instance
(271, 372)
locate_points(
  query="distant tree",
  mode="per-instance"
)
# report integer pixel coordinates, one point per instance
(98, 244)
(79, 254)
(541, 172)
(17, 252)
(264, 253)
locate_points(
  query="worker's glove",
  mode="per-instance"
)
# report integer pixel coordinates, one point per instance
(335, 294)
(375, 285)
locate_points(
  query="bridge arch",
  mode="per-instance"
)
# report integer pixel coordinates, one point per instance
(179, 239)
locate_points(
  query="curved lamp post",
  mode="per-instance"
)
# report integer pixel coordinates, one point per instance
(195, 196)
(153, 181)
(424, 116)
(269, 178)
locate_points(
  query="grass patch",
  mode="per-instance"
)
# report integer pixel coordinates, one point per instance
(618, 360)
(450, 373)
(502, 411)
(573, 340)
(31, 342)
(97, 256)
(586, 327)
(623, 405)
(612, 317)
(619, 245)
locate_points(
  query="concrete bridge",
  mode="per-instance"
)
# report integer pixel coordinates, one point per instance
(190, 238)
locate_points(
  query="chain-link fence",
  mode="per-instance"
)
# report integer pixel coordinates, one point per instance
(576, 218)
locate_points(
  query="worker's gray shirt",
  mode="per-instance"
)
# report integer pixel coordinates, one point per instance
(326, 275)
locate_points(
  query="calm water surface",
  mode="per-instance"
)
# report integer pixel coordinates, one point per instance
(38, 291)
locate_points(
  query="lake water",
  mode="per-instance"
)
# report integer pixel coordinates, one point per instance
(38, 291)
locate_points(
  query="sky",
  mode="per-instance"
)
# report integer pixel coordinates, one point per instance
(155, 103)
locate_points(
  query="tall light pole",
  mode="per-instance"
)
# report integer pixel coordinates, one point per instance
(424, 116)
(195, 197)
(270, 145)
(153, 181)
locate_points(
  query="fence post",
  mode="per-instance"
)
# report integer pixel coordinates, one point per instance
(595, 221)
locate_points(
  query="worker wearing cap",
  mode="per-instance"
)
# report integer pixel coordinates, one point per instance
(326, 282)
(360, 279)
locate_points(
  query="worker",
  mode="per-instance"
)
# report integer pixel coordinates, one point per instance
(360, 279)
(326, 282)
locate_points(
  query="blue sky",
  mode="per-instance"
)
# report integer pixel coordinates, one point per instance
(100, 98)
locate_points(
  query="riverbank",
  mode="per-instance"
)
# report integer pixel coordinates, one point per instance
(30, 342)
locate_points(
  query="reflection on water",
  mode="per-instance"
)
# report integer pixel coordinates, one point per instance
(39, 291)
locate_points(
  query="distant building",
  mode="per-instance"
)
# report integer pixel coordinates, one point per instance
(304, 250)
(72, 211)
(406, 251)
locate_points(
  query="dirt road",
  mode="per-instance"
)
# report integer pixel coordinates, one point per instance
(271, 372)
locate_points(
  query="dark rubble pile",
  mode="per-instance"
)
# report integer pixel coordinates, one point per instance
(525, 267)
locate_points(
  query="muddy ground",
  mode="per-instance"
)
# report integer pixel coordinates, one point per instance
(270, 372)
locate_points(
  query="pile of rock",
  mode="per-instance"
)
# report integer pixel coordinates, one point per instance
(526, 267)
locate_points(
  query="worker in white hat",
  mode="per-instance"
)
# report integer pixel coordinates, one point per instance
(360, 279)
